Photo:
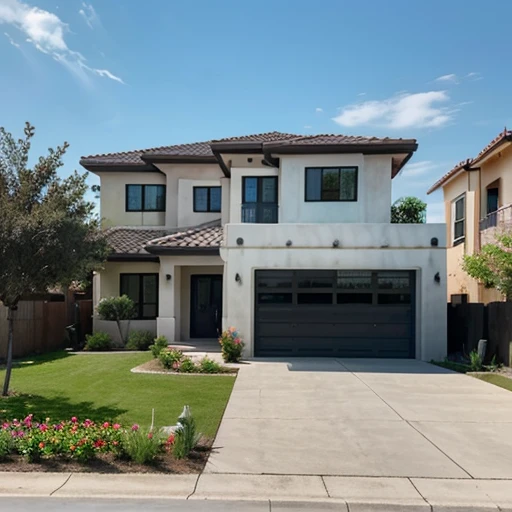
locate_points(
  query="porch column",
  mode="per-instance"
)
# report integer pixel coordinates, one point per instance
(166, 321)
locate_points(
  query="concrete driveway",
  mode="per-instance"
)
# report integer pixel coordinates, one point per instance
(355, 417)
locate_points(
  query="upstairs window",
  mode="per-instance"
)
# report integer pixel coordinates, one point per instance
(259, 199)
(331, 184)
(459, 220)
(145, 198)
(207, 199)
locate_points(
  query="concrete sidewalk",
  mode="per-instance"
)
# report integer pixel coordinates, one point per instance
(284, 492)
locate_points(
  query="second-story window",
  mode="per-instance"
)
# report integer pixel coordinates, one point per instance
(331, 184)
(259, 199)
(145, 198)
(207, 199)
(459, 220)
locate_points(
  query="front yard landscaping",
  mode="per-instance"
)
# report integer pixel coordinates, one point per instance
(496, 379)
(100, 388)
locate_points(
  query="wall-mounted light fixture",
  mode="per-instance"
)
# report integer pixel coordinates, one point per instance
(239, 241)
(437, 278)
(289, 243)
(238, 278)
(336, 243)
(168, 277)
(434, 242)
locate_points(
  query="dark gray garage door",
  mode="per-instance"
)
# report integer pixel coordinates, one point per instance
(340, 313)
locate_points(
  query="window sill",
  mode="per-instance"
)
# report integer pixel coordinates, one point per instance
(458, 241)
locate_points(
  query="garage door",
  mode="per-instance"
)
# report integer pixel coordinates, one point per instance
(339, 313)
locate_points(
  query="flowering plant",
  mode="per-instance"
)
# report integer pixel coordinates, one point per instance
(232, 345)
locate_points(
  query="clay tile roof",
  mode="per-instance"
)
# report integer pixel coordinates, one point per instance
(127, 240)
(504, 135)
(344, 139)
(205, 236)
(452, 172)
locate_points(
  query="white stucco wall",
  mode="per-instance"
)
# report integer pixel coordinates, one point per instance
(362, 246)
(186, 215)
(113, 198)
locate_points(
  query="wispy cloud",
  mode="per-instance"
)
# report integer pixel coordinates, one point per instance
(452, 78)
(46, 31)
(419, 168)
(474, 76)
(89, 15)
(448, 78)
(11, 40)
(405, 110)
(362, 94)
(307, 127)
(318, 109)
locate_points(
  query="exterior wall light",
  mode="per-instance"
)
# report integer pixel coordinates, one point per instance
(168, 277)
(239, 241)
(336, 243)
(288, 243)
(238, 278)
(437, 278)
(434, 242)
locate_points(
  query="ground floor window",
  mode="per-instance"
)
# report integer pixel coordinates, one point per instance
(143, 290)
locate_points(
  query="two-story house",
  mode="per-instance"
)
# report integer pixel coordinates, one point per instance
(286, 237)
(478, 204)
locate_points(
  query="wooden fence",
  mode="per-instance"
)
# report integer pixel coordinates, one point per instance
(469, 323)
(39, 326)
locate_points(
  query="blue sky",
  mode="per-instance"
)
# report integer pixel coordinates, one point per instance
(108, 75)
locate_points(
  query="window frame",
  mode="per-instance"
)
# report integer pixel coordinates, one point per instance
(141, 302)
(460, 239)
(322, 169)
(143, 197)
(259, 195)
(208, 199)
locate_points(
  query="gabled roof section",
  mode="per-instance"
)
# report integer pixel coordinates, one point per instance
(461, 166)
(203, 239)
(128, 242)
(504, 136)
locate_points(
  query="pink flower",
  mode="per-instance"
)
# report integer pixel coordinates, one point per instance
(75, 428)
(88, 423)
(238, 341)
(74, 419)
(5, 426)
(28, 420)
(150, 435)
(43, 427)
(116, 426)
(57, 427)
(135, 427)
(232, 329)
(106, 424)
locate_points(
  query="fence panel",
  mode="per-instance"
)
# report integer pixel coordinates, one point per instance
(499, 330)
(466, 325)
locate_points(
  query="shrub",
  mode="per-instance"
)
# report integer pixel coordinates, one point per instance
(99, 341)
(140, 446)
(207, 365)
(139, 340)
(171, 359)
(116, 309)
(159, 344)
(232, 346)
(187, 366)
(185, 435)
(6, 444)
(475, 361)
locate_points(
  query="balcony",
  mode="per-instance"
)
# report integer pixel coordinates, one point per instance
(501, 219)
(259, 213)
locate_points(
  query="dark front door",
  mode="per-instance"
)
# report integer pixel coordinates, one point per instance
(206, 306)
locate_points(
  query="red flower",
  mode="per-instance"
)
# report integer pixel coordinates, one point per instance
(72, 447)
(41, 445)
(74, 419)
(99, 443)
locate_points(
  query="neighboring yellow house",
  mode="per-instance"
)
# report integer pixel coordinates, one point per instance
(478, 202)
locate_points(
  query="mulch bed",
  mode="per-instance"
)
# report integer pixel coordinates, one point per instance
(108, 463)
(155, 366)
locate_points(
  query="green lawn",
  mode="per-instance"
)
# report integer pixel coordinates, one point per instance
(101, 387)
(497, 380)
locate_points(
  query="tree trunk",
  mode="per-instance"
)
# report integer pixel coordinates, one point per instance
(10, 321)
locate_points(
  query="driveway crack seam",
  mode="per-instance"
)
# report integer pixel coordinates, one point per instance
(418, 491)
(61, 486)
(195, 486)
(325, 486)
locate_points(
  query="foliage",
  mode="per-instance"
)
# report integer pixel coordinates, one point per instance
(496, 379)
(186, 436)
(139, 340)
(492, 266)
(475, 361)
(408, 210)
(49, 235)
(207, 365)
(159, 344)
(98, 341)
(117, 309)
(170, 358)
(141, 446)
(6, 444)
(232, 346)
(452, 365)
(187, 366)
(493, 366)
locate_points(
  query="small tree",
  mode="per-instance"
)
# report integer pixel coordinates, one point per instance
(48, 234)
(117, 309)
(408, 210)
(492, 266)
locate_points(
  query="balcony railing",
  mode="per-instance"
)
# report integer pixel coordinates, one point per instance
(259, 213)
(501, 218)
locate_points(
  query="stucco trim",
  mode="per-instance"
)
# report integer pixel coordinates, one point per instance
(182, 251)
(133, 257)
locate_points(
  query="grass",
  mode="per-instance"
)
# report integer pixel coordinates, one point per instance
(451, 365)
(102, 388)
(497, 380)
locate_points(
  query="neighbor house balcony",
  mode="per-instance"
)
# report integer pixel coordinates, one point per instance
(500, 220)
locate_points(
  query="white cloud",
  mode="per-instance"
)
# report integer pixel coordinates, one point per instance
(307, 127)
(474, 76)
(46, 31)
(448, 78)
(318, 109)
(418, 110)
(419, 168)
(11, 40)
(362, 94)
(89, 15)
(435, 213)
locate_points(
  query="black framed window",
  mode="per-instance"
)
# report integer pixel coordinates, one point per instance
(492, 199)
(331, 184)
(459, 219)
(143, 290)
(259, 199)
(207, 199)
(145, 198)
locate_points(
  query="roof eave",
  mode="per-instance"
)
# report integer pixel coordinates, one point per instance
(117, 167)
(176, 250)
(491, 151)
(369, 149)
(120, 257)
(178, 159)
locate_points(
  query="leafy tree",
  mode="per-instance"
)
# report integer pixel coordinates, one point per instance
(116, 309)
(96, 190)
(492, 266)
(48, 234)
(408, 210)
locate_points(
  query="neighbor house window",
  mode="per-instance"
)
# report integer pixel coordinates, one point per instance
(145, 198)
(259, 199)
(331, 184)
(459, 220)
(207, 199)
(143, 290)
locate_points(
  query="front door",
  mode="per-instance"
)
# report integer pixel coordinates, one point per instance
(206, 306)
